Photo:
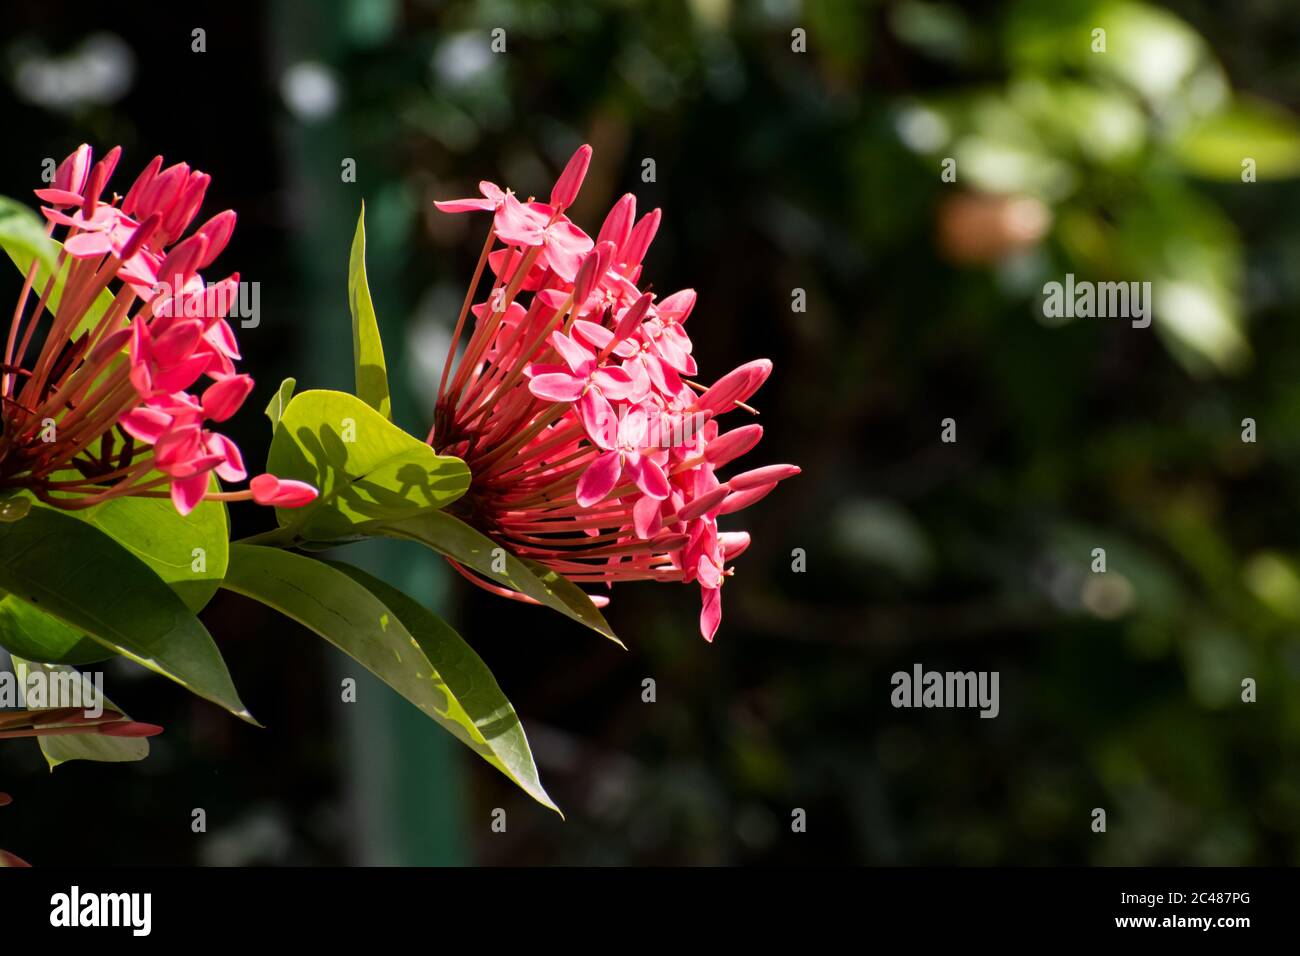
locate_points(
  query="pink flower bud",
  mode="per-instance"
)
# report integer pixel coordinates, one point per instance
(769, 474)
(736, 386)
(143, 233)
(734, 543)
(731, 445)
(161, 191)
(633, 317)
(142, 182)
(73, 172)
(218, 229)
(678, 306)
(638, 242)
(704, 503)
(585, 281)
(93, 190)
(130, 728)
(223, 397)
(281, 492)
(618, 224)
(183, 261)
(743, 499)
(184, 208)
(570, 181)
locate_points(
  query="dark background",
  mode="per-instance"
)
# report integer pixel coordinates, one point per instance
(776, 170)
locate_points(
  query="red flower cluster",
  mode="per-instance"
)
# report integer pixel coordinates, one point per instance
(107, 380)
(592, 448)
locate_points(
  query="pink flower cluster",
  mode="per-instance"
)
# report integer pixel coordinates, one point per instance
(593, 449)
(108, 380)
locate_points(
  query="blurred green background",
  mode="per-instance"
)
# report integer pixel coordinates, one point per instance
(777, 170)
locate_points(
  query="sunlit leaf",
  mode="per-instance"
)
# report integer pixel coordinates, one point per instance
(367, 347)
(403, 643)
(365, 467)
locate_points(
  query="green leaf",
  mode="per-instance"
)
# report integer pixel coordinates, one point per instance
(275, 408)
(189, 552)
(23, 238)
(1191, 253)
(367, 347)
(365, 467)
(455, 539)
(1150, 50)
(28, 632)
(403, 643)
(1215, 146)
(97, 747)
(160, 536)
(77, 573)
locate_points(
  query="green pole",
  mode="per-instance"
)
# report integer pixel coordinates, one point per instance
(403, 772)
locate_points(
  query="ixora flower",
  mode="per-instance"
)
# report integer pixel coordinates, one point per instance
(593, 449)
(113, 396)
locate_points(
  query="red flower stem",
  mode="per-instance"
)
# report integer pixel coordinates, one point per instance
(545, 417)
(509, 378)
(562, 436)
(145, 461)
(117, 491)
(479, 342)
(14, 323)
(116, 386)
(66, 322)
(464, 311)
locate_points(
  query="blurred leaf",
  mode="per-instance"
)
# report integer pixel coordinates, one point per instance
(881, 532)
(939, 29)
(365, 467)
(1149, 49)
(403, 643)
(1190, 253)
(1274, 579)
(1000, 147)
(22, 234)
(1216, 145)
(1202, 323)
(367, 347)
(841, 28)
(1098, 124)
(1000, 167)
(78, 574)
(1216, 661)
